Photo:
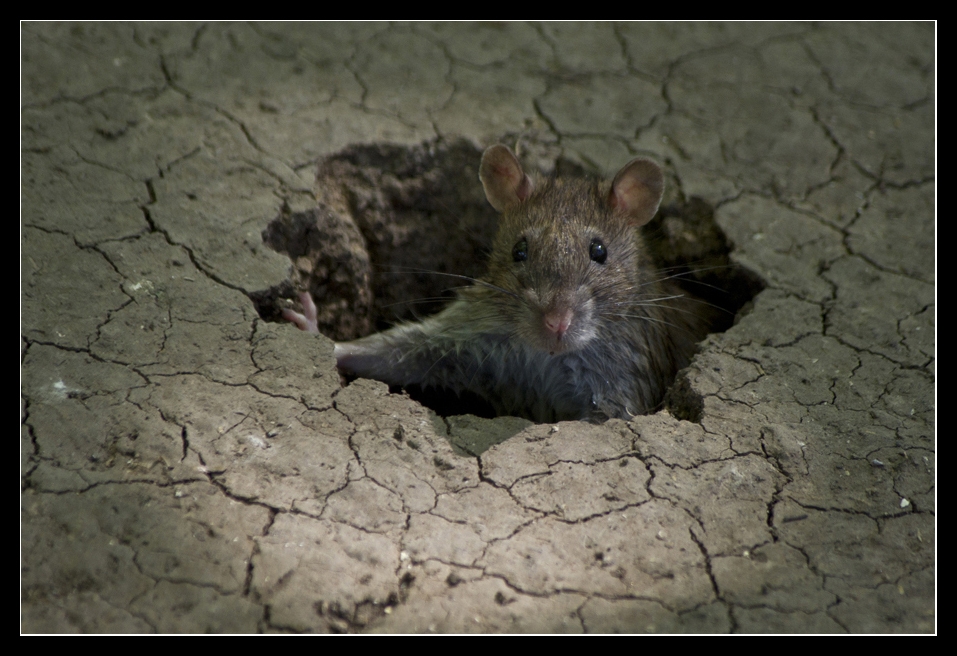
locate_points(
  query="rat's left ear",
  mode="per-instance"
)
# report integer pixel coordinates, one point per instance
(637, 190)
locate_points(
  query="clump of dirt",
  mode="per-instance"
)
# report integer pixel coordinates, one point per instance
(395, 231)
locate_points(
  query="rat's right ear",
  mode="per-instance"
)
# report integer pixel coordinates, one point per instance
(506, 184)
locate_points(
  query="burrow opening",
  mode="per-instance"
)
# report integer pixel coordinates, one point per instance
(390, 221)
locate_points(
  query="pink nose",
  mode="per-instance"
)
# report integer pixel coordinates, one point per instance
(558, 321)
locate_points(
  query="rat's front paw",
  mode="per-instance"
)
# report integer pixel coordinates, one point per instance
(308, 320)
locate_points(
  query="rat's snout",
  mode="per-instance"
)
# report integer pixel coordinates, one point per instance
(564, 323)
(557, 321)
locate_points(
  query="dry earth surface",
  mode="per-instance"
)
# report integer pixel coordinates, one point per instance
(188, 466)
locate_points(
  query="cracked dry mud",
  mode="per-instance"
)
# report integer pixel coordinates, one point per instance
(189, 466)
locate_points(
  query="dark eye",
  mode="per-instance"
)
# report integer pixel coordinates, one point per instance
(597, 251)
(520, 250)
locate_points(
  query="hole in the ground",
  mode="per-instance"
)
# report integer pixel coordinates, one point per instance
(391, 220)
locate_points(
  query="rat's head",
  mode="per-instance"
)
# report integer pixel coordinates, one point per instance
(568, 251)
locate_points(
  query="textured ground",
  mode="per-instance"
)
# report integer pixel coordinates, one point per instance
(187, 466)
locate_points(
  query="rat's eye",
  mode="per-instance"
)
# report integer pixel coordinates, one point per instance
(597, 251)
(520, 250)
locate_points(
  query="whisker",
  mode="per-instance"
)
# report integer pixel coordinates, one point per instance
(474, 281)
(425, 299)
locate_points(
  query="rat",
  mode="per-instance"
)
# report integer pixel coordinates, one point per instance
(572, 319)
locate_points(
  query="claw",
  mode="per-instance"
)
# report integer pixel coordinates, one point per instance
(308, 320)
